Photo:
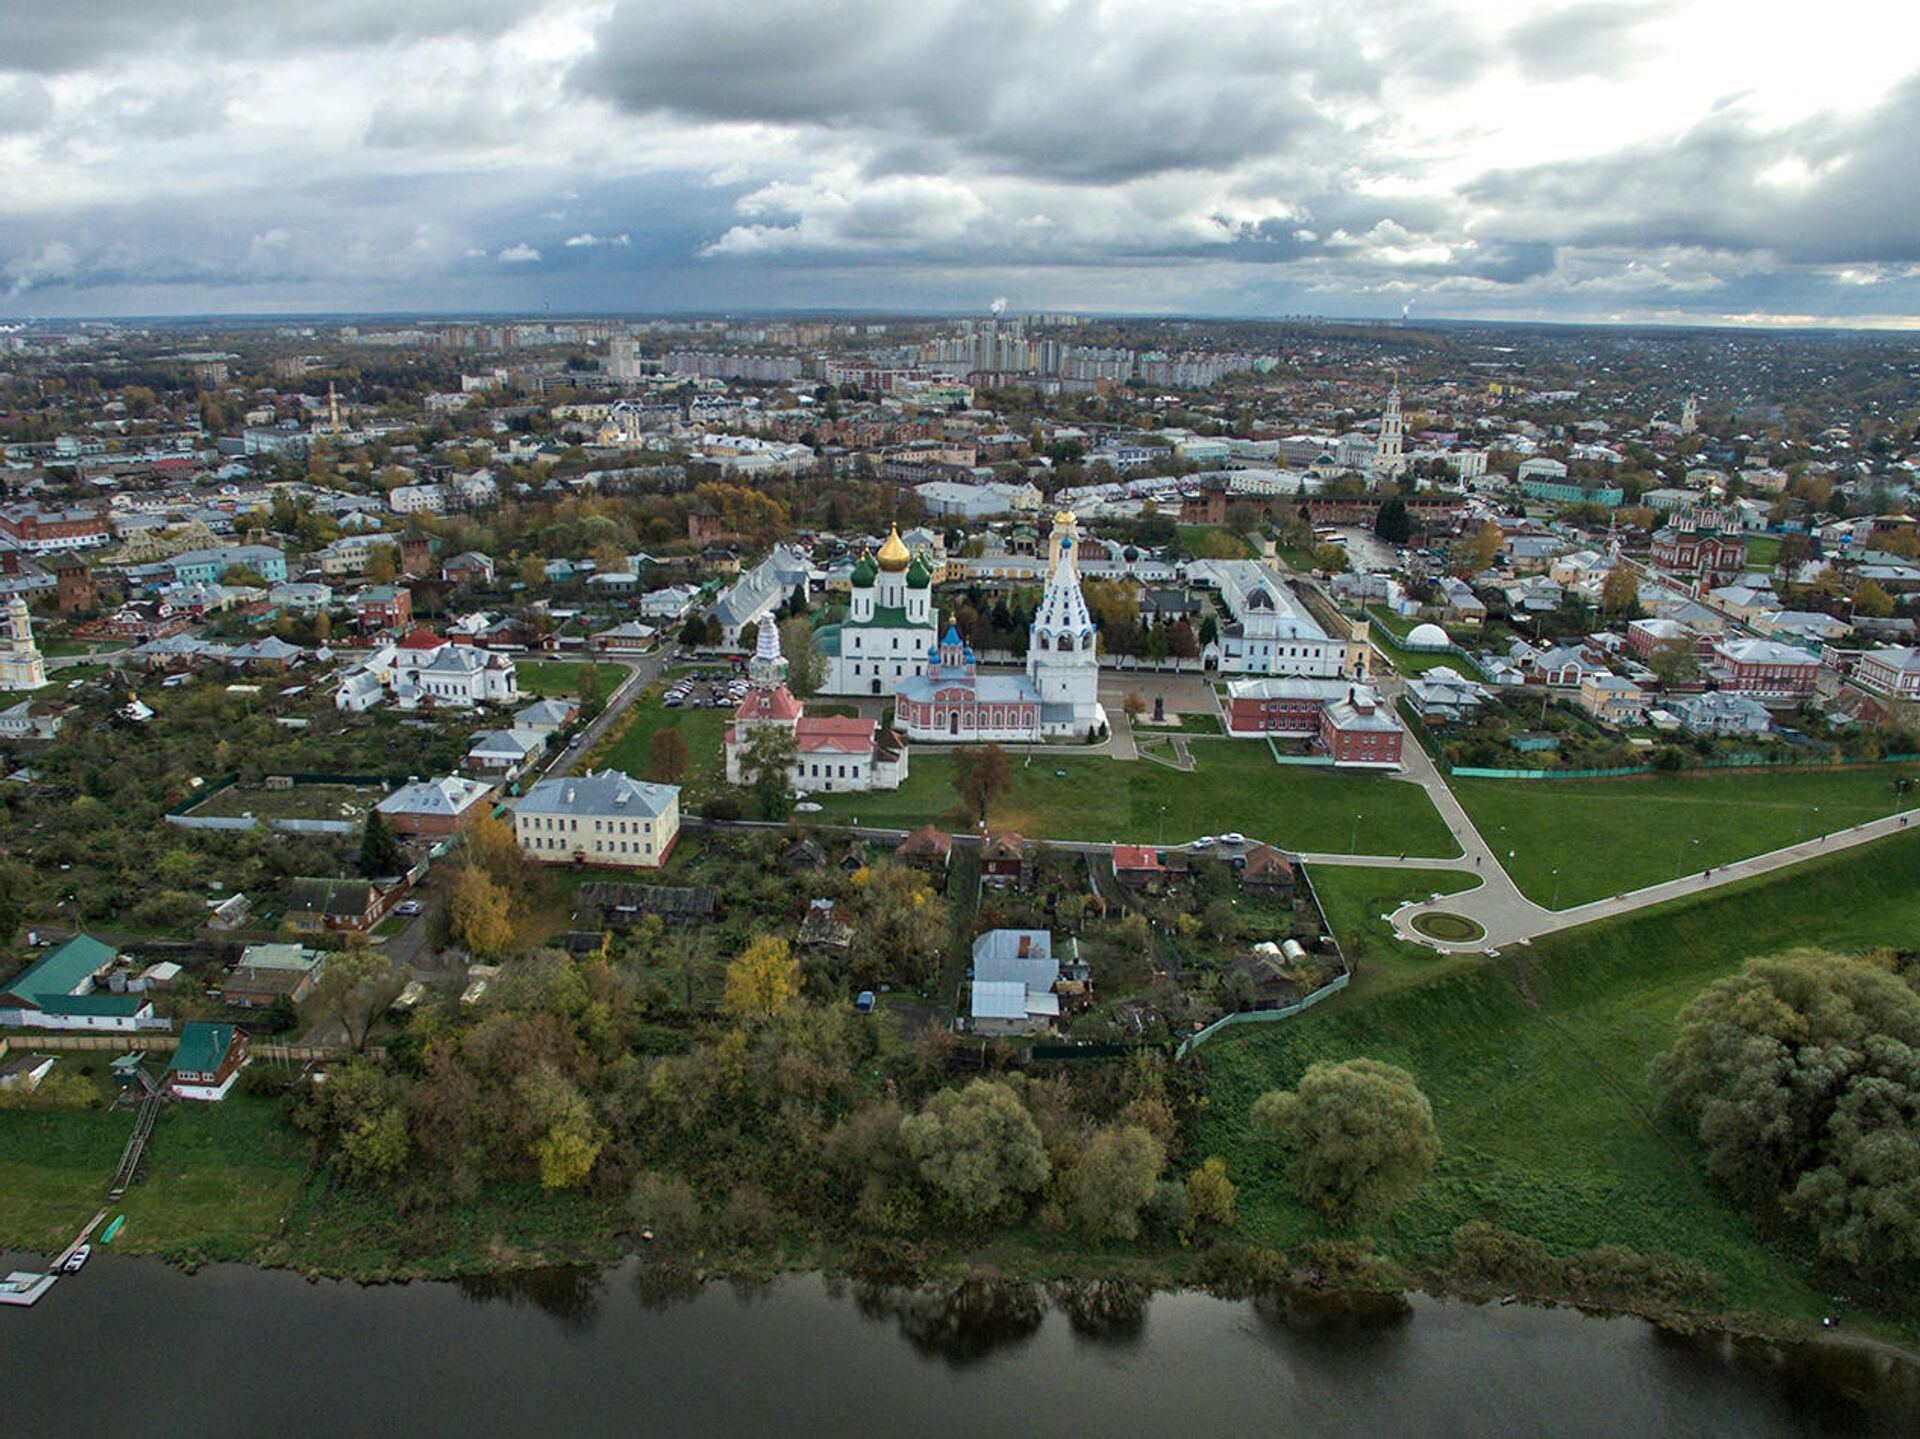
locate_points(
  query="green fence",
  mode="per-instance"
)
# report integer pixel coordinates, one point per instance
(226, 782)
(1743, 761)
(1260, 1016)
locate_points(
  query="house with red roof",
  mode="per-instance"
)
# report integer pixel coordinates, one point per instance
(832, 753)
(1138, 866)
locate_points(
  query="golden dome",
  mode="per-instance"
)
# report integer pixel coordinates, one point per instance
(894, 555)
(1065, 517)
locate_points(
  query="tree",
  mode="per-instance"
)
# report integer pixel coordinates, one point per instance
(1486, 546)
(1361, 1137)
(1392, 523)
(1331, 558)
(380, 853)
(383, 564)
(533, 571)
(806, 666)
(1111, 1178)
(666, 756)
(980, 776)
(567, 1141)
(1620, 592)
(1871, 600)
(591, 687)
(480, 912)
(978, 1148)
(1801, 1077)
(1210, 1195)
(489, 843)
(1134, 704)
(766, 764)
(355, 988)
(1673, 664)
(762, 980)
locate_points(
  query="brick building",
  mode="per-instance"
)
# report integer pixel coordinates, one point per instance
(1766, 669)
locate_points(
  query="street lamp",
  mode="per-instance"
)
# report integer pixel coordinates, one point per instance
(1353, 844)
(1678, 851)
(1556, 889)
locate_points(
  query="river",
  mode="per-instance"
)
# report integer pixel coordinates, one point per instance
(133, 1347)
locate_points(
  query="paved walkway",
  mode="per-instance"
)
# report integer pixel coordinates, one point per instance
(1507, 915)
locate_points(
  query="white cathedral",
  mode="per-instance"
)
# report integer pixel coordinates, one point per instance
(21, 667)
(1057, 698)
(887, 637)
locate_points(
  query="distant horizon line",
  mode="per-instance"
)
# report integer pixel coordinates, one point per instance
(335, 318)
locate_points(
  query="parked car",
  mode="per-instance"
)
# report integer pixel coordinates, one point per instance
(1233, 836)
(409, 908)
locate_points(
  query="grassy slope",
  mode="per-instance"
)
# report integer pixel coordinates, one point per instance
(219, 1176)
(1236, 786)
(1609, 836)
(702, 728)
(1537, 1066)
(550, 679)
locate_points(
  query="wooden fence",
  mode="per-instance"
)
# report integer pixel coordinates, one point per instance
(154, 1043)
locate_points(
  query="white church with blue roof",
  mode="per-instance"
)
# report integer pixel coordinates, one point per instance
(1057, 698)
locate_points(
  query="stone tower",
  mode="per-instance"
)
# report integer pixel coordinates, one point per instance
(21, 667)
(1389, 456)
(1063, 656)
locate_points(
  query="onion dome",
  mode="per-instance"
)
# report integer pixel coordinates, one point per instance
(864, 571)
(918, 575)
(894, 556)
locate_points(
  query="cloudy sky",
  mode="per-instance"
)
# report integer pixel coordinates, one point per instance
(1688, 160)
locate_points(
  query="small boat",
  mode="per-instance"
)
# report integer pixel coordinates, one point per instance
(76, 1259)
(113, 1229)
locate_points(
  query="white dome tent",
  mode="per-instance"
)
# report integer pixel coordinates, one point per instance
(1427, 637)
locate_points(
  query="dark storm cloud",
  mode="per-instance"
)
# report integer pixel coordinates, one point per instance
(1047, 91)
(1825, 191)
(52, 37)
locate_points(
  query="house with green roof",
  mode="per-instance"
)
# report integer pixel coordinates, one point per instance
(207, 1061)
(58, 991)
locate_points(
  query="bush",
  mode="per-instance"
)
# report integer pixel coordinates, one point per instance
(748, 1218)
(1238, 1271)
(666, 1205)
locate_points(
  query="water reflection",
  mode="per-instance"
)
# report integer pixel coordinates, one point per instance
(662, 1285)
(962, 1322)
(1107, 1311)
(571, 1294)
(1839, 1386)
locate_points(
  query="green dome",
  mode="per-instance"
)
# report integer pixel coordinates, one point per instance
(864, 572)
(918, 575)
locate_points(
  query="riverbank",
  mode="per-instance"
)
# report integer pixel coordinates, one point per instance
(1535, 1063)
(597, 1351)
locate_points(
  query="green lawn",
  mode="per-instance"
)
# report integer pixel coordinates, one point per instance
(1236, 786)
(1761, 550)
(1610, 836)
(1194, 537)
(1540, 1091)
(58, 680)
(219, 1176)
(1387, 631)
(64, 647)
(703, 729)
(304, 801)
(561, 679)
(1357, 900)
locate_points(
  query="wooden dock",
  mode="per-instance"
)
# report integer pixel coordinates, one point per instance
(22, 1290)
